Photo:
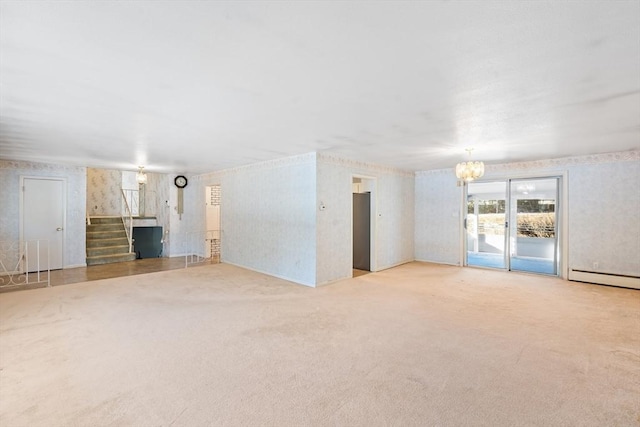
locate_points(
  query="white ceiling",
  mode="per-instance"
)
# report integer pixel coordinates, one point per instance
(200, 86)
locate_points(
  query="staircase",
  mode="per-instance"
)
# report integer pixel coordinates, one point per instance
(107, 241)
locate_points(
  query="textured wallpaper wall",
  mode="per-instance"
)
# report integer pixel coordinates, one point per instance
(103, 192)
(437, 218)
(394, 216)
(157, 198)
(184, 228)
(268, 216)
(604, 213)
(10, 173)
(602, 210)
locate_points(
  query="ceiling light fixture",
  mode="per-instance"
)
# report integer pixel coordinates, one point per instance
(141, 177)
(468, 171)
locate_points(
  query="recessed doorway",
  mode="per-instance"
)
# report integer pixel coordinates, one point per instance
(213, 198)
(363, 224)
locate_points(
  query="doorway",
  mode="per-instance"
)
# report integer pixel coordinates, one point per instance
(363, 225)
(43, 214)
(512, 224)
(213, 196)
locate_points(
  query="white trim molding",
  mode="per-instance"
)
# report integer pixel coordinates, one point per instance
(620, 280)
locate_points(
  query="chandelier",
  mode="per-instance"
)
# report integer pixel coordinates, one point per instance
(141, 177)
(468, 171)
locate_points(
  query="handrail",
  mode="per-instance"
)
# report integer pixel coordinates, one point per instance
(128, 229)
(142, 202)
(200, 246)
(132, 197)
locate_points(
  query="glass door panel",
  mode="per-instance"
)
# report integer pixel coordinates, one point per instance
(533, 226)
(485, 224)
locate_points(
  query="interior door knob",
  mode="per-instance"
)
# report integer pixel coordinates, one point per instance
(59, 229)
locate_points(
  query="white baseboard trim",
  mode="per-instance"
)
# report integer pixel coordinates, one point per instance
(74, 266)
(620, 280)
(288, 279)
(375, 271)
(386, 267)
(439, 262)
(329, 282)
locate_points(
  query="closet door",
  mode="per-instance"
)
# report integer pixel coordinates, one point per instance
(43, 217)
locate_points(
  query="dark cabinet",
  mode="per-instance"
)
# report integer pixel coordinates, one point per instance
(147, 242)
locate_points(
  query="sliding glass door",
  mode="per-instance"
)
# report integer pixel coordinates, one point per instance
(533, 233)
(485, 224)
(512, 225)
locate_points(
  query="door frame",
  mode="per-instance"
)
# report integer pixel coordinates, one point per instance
(64, 211)
(373, 259)
(562, 217)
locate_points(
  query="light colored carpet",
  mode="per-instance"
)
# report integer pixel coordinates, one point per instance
(420, 345)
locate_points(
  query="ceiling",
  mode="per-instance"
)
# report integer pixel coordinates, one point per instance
(195, 87)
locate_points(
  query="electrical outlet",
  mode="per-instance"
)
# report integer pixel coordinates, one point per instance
(595, 265)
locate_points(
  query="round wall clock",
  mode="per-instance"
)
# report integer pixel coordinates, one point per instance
(180, 181)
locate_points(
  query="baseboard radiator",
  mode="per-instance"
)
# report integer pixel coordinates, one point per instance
(622, 280)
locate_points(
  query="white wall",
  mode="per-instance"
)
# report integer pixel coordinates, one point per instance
(104, 196)
(395, 216)
(158, 188)
(271, 221)
(602, 210)
(76, 178)
(268, 216)
(437, 217)
(181, 226)
(604, 217)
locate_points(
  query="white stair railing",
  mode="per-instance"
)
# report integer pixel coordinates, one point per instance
(141, 202)
(127, 219)
(131, 199)
(24, 263)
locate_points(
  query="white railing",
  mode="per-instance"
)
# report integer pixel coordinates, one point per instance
(127, 220)
(25, 263)
(202, 246)
(141, 202)
(131, 200)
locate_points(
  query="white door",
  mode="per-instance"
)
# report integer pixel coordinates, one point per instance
(43, 214)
